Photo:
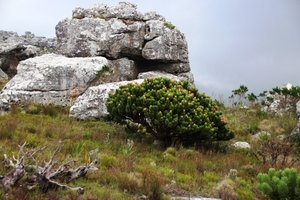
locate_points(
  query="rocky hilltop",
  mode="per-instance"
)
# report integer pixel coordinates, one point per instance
(15, 48)
(94, 52)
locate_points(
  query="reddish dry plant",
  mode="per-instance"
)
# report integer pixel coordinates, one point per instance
(277, 153)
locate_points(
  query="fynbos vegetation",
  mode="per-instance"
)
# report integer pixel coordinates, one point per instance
(170, 111)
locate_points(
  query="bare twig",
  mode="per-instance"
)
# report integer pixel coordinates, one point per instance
(43, 175)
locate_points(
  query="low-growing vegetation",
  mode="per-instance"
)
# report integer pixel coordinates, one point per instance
(133, 166)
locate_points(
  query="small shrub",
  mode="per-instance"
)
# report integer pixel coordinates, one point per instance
(107, 161)
(128, 182)
(276, 152)
(183, 178)
(280, 184)
(152, 184)
(169, 25)
(171, 111)
(8, 127)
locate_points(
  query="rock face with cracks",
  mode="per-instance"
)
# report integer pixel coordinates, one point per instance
(15, 48)
(56, 79)
(122, 31)
(97, 50)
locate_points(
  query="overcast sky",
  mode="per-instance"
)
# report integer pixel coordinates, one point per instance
(232, 42)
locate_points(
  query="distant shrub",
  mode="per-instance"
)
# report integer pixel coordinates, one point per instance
(170, 111)
(280, 184)
(285, 98)
(276, 152)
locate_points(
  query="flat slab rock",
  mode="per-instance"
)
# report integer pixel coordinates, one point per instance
(56, 79)
(156, 74)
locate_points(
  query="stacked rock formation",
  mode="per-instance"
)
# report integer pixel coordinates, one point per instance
(14, 48)
(98, 50)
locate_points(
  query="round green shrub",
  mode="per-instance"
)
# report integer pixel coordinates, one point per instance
(171, 111)
(280, 184)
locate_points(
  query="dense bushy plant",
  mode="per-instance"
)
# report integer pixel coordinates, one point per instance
(280, 184)
(171, 111)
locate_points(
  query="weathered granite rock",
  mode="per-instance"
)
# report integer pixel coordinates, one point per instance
(133, 42)
(164, 44)
(3, 76)
(123, 10)
(241, 145)
(56, 79)
(280, 104)
(91, 105)
(118, 70)
(153, 16)
(14, 48)
(156, 74)
(188, 76)
(122, 31)
(113, 38)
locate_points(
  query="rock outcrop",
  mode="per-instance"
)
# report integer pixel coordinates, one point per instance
(14, 48)
(91, 105)
(56, 79)
(282, 100)
(122, 31)
(101, 49)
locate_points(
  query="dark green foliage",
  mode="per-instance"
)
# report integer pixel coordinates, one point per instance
(280, 184)
(252, 97)
(171, 111)
(239, 96)
(290, 96)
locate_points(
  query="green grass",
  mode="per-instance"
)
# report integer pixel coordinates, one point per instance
(129, 166)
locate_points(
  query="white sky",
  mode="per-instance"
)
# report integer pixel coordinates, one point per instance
(232, 42)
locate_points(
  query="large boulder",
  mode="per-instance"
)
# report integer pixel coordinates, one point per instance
(113, 38)
(119, 31)
(164, 43)
(15, 48)
(56, 79)
(92, 104)
(101, 49)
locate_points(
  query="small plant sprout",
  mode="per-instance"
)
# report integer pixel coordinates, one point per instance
(232, 174)
(169, 25)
